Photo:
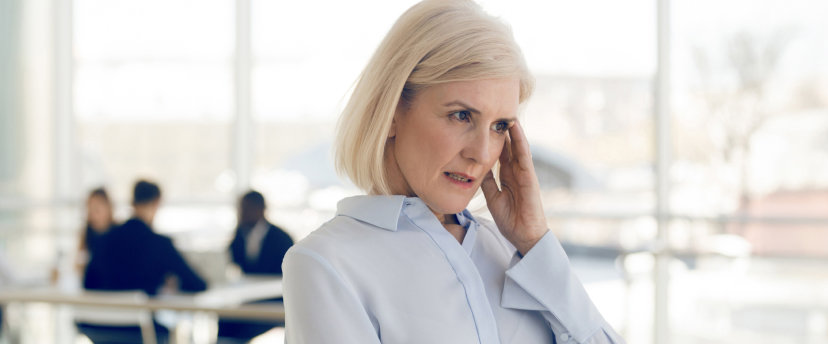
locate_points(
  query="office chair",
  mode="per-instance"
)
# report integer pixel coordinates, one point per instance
(101, 316)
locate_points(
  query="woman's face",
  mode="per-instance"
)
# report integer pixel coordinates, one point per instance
(98, 213)
(448, 138)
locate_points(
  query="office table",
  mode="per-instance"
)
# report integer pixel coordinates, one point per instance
(225, 300)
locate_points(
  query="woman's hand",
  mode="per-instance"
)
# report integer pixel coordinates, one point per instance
(516, 206)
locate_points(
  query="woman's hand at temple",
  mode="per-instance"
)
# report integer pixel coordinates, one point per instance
(516, 207)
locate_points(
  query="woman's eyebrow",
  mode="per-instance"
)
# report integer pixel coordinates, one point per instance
(463, 105)
(476, 111)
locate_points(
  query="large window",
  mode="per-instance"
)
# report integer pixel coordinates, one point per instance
(154, 94)
(750, 112)
(153, 98)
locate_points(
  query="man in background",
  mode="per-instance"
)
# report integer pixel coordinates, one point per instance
(133, 257)
(258, 248)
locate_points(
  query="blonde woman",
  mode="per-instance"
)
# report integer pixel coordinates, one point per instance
(431, 115)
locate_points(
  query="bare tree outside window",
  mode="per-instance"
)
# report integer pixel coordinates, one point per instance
(739, 94)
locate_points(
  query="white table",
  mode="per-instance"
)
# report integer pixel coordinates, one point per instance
(225, 300)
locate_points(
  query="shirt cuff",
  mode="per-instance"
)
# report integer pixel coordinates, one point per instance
(543, 281)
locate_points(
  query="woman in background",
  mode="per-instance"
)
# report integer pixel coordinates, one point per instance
(99, 221)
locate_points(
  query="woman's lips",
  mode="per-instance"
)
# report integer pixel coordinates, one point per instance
(459, 178)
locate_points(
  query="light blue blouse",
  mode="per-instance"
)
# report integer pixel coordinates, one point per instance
(385, 270)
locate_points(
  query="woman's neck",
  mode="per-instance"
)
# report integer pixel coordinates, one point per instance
(451, 224)
(447, 219)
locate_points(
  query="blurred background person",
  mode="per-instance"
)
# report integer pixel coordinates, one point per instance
(258, 248)
(133, 257)
(99, 221)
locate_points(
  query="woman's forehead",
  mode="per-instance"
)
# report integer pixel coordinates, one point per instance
(488, 95)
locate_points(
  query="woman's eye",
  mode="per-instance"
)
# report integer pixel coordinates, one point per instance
(500, 127)
(463, 116)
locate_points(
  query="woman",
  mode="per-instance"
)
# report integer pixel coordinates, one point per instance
(99, 220)
(430, 117)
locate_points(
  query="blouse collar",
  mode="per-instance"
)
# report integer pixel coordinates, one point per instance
(384, 211)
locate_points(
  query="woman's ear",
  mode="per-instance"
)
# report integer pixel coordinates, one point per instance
(392, 131)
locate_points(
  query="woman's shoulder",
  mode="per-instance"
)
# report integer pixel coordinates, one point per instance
(358, 219)
(339, 236)
(337, 228)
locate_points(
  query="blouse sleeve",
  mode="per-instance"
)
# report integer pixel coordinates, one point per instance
(543, 281)
(319, 306)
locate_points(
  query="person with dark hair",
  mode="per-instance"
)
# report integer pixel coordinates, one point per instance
(258, 248)
(133, 257)
(145, 192)
(99, 221)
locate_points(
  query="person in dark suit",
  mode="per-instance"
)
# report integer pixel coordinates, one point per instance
(133, 257)
(258, 248)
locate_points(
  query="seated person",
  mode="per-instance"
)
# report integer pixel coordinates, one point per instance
(133, 257)
(258, 247)
(99, 221)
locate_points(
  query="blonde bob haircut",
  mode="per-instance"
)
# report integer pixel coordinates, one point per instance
(434, 42)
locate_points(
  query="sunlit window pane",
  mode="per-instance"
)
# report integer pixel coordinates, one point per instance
(751, 97)
(154, 95)
(750, 112)
(305, 60)
(189, 30)
(155, 91)
(304, 64)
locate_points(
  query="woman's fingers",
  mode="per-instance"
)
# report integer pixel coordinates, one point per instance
(506, 152)
(489, 187)
(519, 148)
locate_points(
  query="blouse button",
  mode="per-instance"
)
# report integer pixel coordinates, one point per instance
(564, 337)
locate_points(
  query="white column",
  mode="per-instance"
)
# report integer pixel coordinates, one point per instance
(66, 176)
(10, 94)
(242, 134)
(663, 149)
(65, 149)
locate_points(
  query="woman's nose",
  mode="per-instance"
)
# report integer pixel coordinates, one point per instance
(478, 148)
